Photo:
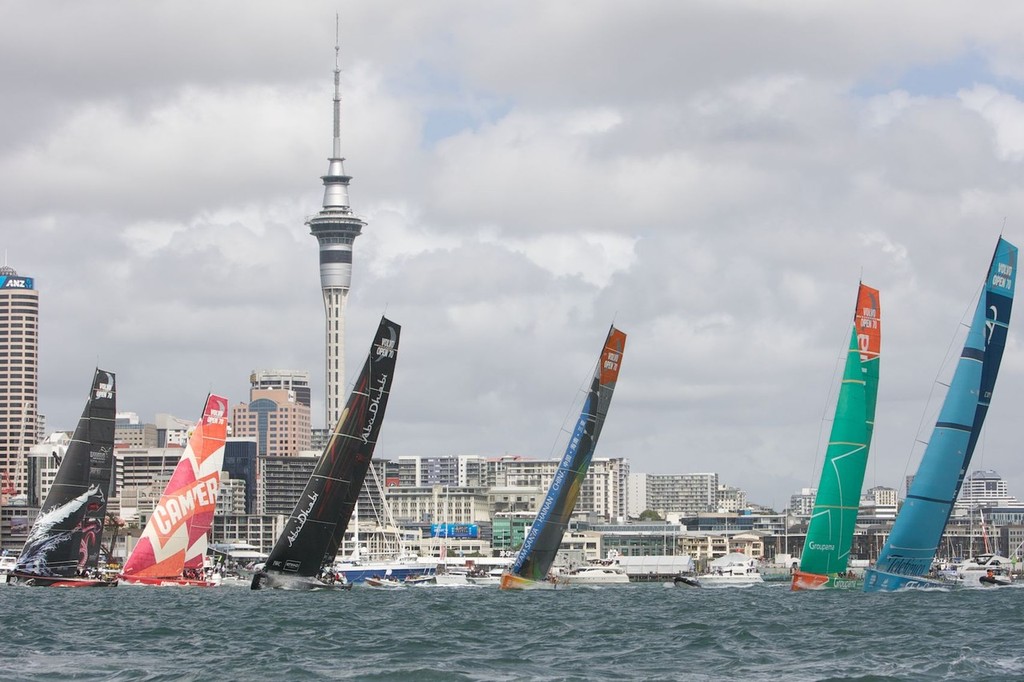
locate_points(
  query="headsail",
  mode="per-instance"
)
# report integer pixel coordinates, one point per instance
(65, 539)
(541, 545)
(175, 535)
(908, 553)
(315, 528)
(830, 532)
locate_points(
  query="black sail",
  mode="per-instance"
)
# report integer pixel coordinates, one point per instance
(316, 526)
(66, 535)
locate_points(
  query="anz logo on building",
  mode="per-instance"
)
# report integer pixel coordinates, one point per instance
(8, 282)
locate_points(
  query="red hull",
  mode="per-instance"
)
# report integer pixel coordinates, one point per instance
(167, 582)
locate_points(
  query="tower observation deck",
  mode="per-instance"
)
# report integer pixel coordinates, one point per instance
(335, 228)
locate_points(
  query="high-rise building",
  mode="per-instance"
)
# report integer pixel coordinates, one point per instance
(682, 493)
(19, 385)
(289, 379)
(275, 419)
(335, 228)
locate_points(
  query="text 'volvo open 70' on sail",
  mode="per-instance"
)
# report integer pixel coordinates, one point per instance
(172, 547)
(63, 547)
(823, 562)
(304, 554)
(530, 569)
(906, 558)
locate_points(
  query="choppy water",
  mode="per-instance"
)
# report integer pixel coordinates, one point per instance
(633, 632)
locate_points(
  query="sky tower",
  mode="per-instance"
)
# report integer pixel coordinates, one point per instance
(335, 228)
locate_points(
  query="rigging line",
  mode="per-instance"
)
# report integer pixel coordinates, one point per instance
(952, 355)
(831, 398)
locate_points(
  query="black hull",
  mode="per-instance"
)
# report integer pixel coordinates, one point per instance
(276, 581)
(30, 580)
(684, 581)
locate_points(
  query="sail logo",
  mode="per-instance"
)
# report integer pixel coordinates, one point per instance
(374, 407)
(611, 360)
(386, 348)
(105, 389)
(820, 547)
(302, 517)
(218, 412)
(178, 507)
(990, 324)
(1003, 278)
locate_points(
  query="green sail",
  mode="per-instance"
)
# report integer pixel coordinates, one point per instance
(830, 531)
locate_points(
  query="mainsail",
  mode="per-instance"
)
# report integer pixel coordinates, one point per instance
(830, 532)
(907, 555)
(541, 544)
(175, 535)
(65, 539)
(313, 533)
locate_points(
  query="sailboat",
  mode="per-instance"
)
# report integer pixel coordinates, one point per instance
(63, 547)
(830, 531)
(907, 555)
(530, 569)
(172, 547)
(302, 557)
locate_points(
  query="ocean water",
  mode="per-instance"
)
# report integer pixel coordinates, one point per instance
(629, 632)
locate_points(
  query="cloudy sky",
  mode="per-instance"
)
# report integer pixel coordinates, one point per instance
(714, 177)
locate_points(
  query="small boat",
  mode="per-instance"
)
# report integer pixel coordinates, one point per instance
(533, 563)
(63, 547)
(600, 574)
(685, 581)
(908, 553)
(484, 578)
(732, 570)
(383, 583)
(309, 542)
(172, 548)
(987, 570)
(826, 552)
(420, 580)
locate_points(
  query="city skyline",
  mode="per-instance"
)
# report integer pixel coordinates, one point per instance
(714, 181)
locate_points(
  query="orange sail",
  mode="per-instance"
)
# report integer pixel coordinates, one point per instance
(175, 536)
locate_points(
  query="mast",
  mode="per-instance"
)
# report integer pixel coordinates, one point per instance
(65, 538)
(907, 555)
(542, 542)
(316, 526)
(175, 534)
(830, 532)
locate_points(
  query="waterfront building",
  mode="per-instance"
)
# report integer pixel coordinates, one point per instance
(20, 422)
(293, 380)
(731, 499)
(878, 503)
(280, 481)
(240, 463)
(335, 228)
(259, 530)
(438, 504)
(15, 523)
(275, 419)
(983, 489)
(637, 495)
(802, 503)
(230, 496)
(131, 433)
(172, 431)
(682, 493)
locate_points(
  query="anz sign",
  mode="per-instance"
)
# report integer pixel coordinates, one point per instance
(9, 282)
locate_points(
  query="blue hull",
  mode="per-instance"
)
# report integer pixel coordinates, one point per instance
(358, 575)
(881, 581)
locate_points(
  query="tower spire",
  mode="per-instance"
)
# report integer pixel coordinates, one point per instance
(337, 89)
(335, 228)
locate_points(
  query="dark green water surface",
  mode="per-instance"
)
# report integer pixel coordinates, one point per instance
(634, 632)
